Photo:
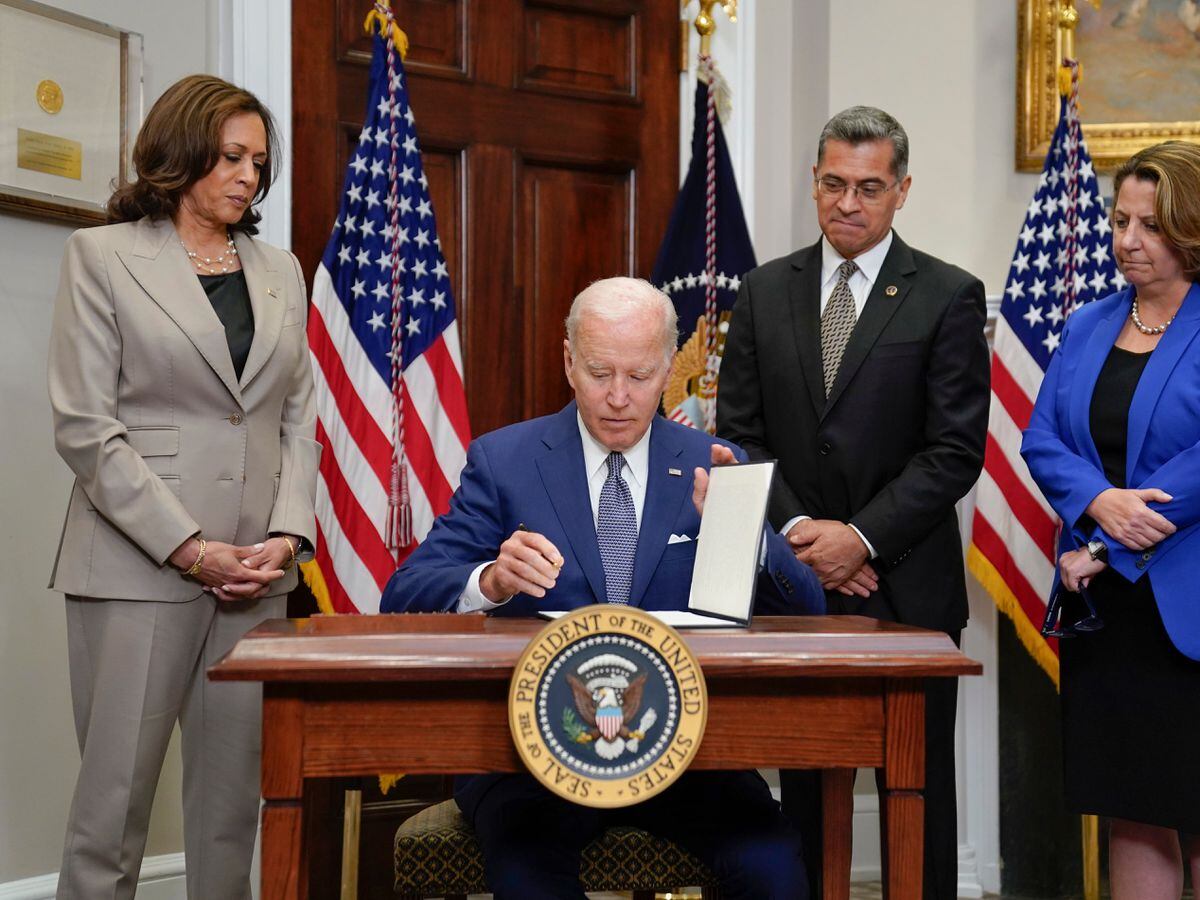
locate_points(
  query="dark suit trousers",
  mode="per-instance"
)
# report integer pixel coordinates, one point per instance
(801, 790)
(532, 840)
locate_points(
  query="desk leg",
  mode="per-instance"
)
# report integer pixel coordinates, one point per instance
(903, 806)
(283, 872)
(837, 829)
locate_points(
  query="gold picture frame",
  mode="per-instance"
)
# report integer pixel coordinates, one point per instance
(70, 103)
(1113, 130)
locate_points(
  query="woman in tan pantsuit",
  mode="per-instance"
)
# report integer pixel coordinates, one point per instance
(182, 396)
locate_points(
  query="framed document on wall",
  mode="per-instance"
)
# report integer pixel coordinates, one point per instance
(70, 104)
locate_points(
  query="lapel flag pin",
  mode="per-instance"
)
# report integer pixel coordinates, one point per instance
(676, 472)
(891, 290)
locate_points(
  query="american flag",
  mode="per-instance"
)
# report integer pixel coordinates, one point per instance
(1063, 259)
(395, 436)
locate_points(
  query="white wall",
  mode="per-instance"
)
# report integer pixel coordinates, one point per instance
(39, 757)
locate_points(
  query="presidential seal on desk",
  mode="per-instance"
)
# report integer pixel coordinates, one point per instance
(607, 706)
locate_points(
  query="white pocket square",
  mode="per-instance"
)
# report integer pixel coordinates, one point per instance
(678, 539)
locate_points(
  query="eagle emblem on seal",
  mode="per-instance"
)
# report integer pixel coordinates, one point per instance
(607, 691)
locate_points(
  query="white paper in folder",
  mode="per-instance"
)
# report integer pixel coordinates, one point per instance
(728, 549)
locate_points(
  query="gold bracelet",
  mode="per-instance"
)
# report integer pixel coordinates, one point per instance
(292, 548)
(195, 569)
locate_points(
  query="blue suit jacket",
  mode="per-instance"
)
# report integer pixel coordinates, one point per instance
(532, 474)
(1163, 449)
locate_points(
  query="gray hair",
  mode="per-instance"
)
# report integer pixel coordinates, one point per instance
(611, 299)
(862, 124)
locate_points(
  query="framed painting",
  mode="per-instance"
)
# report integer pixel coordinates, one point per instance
(70, 103)
(1140, 76)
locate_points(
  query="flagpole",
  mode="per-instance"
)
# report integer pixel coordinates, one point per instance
(1068, 83)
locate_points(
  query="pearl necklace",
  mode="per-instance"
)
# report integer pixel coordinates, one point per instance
(208, 264)
(1142, 326)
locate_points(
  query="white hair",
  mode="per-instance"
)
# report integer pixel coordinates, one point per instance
(612, 299)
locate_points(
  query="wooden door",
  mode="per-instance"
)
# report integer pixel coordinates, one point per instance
(549, 130)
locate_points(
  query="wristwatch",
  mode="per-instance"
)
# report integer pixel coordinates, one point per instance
(1098, 551)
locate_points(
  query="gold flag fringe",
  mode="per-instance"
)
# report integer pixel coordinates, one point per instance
(987, 575)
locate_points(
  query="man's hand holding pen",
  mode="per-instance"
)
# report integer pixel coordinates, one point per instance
(528, 564)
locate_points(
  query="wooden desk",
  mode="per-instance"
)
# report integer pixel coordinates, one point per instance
(428, 694)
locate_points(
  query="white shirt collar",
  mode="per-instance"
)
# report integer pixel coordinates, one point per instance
(869, 263)
(595, 455)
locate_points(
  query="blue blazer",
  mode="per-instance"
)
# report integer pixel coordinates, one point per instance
(532, 474)
(1163, 450)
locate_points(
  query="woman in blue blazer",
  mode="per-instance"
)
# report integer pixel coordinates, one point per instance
(1114, 444)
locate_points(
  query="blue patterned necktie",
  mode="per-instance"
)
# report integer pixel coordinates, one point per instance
(616, 531)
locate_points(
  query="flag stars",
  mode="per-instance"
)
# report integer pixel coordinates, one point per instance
(1119, 280)
(1042, 261)
(1055, 315)
(1059, 287)
(409, 117)
(363, 258)
(354, 193)
(405, 205)
(412, 326)
(1035, 210)
(1102, 227)
(1100, 255)
(1021, 263)
(440, 269)
(382, 290)
(690, 280)
(372, 199)
(1015, 290)
(390, 202)
(376, 322)
(377, 170)
(416, 297)
(424, 181)
(364, 136)
(359, 289)
(420, 268)
(722, 280)
(1027, 235)
(424, 210)
(1038, 289)
(381, 137)
(1099, 282)
(1033, 315)
(422, 238)
(438, 300)
(1046, 234)
(406, 175)
(1051, 341)
(410, 145)
(734, 283)
(384, 107)
(360, 165)
(368, 228)
(344, 254)
(677, 284)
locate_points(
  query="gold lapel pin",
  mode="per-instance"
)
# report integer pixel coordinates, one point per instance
(271, 291)
(675, 472)
(891, 290)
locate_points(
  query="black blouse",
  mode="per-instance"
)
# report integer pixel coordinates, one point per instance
(1109, 412)
(230, 299)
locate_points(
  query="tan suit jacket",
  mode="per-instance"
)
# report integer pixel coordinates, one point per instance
(164, 440)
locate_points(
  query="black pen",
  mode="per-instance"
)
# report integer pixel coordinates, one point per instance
(557, 565)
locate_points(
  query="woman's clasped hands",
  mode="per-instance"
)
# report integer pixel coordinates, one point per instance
(232, 572)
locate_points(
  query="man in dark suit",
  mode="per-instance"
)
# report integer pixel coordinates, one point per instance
(601, 503)
(861, 365)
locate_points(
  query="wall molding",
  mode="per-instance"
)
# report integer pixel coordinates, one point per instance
(162, 878)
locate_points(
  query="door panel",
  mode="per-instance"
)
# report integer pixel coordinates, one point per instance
(549, 130)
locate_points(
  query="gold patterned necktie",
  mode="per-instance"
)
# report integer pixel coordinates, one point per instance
(836, 324)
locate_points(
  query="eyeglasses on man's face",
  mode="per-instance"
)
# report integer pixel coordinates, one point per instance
(867, 192)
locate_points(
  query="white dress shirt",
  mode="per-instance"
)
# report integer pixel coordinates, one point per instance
(635, 471)
(861, 282)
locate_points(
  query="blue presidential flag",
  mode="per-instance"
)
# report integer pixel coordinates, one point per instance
(700, 265)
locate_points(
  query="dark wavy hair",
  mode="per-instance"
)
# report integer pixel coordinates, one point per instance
(1174, 167)
(180, 142)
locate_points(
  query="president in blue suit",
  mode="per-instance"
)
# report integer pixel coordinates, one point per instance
(1114, 444)
(601, 503)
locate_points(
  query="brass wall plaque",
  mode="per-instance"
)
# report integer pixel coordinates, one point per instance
(49, 154)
